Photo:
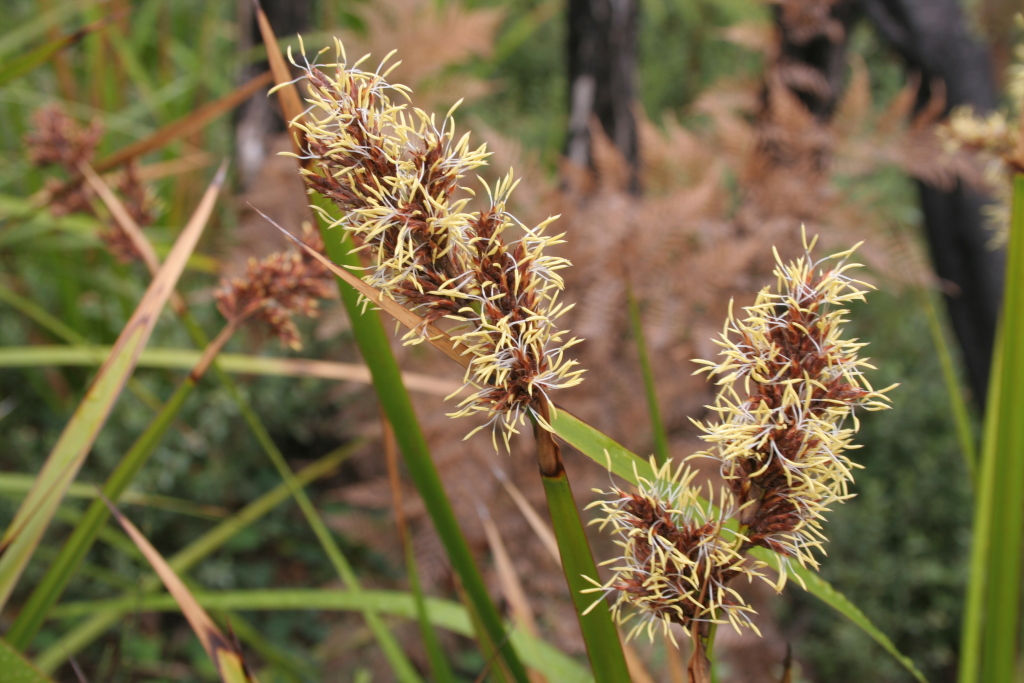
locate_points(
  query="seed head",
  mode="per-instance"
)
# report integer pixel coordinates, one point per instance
(788, 382)
(56, 139)
(676, 555)
(396, 175)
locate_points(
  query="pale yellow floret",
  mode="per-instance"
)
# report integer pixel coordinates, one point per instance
(676, 588)
(398, 132)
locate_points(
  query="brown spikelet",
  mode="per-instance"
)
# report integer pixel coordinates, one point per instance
(57, 140)
(275, 289)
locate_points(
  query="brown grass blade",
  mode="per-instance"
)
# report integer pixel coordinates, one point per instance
(121, 215)
(62, 465)
(676, 666)
(287, 93)
(511, 586)
(435, 335)
(637, 671)
(536, 522)
(187, 163)
(348, 372)
(184, 359)
(223, 652)
(184, 126)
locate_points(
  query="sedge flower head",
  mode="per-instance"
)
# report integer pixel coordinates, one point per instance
(396, 175)
(676, 555)
(789, 385)
(57, 140)
(997, 141)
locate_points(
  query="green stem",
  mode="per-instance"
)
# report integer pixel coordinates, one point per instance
(661, 452)
(709, 651)
(375, 347)
(600, 636)
(954, 388)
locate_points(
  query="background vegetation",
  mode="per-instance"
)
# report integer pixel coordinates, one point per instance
(899, 550)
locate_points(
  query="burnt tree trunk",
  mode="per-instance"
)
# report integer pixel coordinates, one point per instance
(817, 49)
(933, 38)
(602, 78)
(260, 118)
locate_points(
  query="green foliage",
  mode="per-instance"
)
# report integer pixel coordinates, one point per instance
(683, 50)
(898, 551)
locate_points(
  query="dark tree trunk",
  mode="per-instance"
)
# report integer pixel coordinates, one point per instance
(933, 37)
(813, 55)
(259, 118)
(602, 77)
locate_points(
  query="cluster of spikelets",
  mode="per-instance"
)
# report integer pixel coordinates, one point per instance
(788, 382)
(275, 289)
(56, 140)
(676, 555)
(997, 140)
(396, 177)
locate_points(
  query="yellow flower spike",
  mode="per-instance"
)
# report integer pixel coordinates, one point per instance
(395, 173)
(803, 379)
(676, 555)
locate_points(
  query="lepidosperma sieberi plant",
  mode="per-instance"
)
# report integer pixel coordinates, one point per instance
(789, 382)
(789, 385)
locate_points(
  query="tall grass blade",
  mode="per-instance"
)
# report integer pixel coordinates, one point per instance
(41, 22)
(954, 387)
(73, 553)
(67, 456)
(973, 627)
(439, 667)
(43, 318)
(991, 640)
(824, 591)
(374, 345)
(19, 66)
(627, 465)
(183, 359)
(17, 485)
(187, 125)
(404, 671)
(15, 669)
(222, 652)
(650, 390)
(445, 614)
(192, 554)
